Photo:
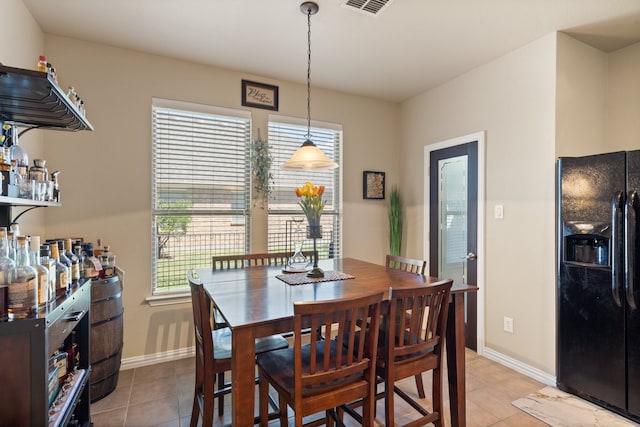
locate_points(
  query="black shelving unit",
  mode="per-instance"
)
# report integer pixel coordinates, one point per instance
(31, 99)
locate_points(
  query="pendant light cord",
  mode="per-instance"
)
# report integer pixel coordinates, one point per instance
(309, 73)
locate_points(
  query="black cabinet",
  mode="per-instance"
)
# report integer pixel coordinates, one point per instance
(25, 348)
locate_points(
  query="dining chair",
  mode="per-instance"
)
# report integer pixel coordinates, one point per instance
(410, 265)
(323, 374)
(213, 356)
(225, 262)
(412, 334)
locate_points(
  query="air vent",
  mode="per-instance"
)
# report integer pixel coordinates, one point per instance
(368, 7)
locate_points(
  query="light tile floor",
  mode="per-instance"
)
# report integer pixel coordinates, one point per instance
(162, 394)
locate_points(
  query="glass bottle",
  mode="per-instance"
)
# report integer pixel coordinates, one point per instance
(11, 245)
(43, 272)
(77, 251)
(16, 152)
(7, 267)
(75, 263)
(23, 290)
(66, 261)
(108, 261)
(50, 264)
(39, 171)
(62, 271)
(91, 265)
(42, 63)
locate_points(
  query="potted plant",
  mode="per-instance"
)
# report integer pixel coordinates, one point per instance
(260, 160)
(395, 222)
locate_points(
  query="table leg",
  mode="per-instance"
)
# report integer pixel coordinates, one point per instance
(455, 344)
(243, 376)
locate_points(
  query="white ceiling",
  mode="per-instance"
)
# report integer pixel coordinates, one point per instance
(410, 46)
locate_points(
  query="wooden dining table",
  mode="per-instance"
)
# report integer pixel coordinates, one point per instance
(256, 302)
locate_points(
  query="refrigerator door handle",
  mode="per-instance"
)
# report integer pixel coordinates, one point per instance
(630, 246)
(616, 221)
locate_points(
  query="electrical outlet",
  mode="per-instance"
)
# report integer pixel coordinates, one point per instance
(508, 324)
(498, 211)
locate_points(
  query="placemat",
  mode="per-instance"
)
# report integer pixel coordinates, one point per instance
(301, 278)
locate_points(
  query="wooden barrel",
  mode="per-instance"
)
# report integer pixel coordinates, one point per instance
(106, 336)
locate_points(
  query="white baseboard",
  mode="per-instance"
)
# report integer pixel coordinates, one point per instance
(152, 359)
(518, 366)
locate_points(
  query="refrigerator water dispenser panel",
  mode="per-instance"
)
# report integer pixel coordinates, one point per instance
(587, 244)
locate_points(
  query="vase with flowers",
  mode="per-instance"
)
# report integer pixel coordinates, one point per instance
(312, 206)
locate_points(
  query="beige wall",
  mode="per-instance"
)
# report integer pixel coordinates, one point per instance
(106, 174)
(581, 98)
(623, 114)
(513, 100)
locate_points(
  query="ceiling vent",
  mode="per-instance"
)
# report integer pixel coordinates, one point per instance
(368, 7)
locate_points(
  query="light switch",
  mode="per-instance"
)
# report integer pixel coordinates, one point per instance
(498, 212)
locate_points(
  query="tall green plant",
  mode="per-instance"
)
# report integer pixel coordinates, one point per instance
(395, 222)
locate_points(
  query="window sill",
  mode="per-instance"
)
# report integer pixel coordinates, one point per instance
(168, 298)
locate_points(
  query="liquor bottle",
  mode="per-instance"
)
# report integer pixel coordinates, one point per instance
(108, 261)
(7, 267)
(43, 272)
(23, 291)
(62, 271)
(77, 251)
(50, 265)
(91, 265)
(75, 263)
(66, 261)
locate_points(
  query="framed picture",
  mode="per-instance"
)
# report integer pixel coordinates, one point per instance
(259, 95)
(372, 185)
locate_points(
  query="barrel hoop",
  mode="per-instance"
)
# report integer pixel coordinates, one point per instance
(109, 319)
(118, 295)
(111, 356)
(105, 378)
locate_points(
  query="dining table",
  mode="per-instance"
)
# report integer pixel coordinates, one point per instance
(258, 301)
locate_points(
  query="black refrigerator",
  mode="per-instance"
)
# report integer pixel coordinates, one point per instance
(598, 271)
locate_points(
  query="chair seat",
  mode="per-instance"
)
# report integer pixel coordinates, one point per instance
(222, 343)
(279, 365)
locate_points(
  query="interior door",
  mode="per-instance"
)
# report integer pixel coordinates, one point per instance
(453, 219)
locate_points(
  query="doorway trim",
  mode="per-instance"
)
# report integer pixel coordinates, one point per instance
(480, 138)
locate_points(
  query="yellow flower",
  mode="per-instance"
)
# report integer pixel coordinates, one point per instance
(311, 201)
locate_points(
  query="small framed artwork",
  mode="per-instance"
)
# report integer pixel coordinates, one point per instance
(259, 95)
(372, 185)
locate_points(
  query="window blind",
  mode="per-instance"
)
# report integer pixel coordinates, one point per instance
(286, 222)
(200, 188)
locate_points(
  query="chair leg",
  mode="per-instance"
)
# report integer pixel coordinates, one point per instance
(195, 411)
(420, 386)
(284, 419)
(263, 392)
(389, 396)
(436, 396)
(221, 397)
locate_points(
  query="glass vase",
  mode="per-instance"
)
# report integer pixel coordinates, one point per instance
(315, 232)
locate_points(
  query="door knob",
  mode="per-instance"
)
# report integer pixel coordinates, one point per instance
(471, 256)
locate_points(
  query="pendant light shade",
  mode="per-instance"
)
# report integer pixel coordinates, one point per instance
(309, 156)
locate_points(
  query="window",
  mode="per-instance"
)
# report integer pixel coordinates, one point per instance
(200, 188)
(287, 224)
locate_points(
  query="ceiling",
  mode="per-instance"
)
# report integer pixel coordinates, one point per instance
(406, 48)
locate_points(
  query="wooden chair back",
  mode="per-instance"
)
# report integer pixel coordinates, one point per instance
(226, 262)
(410, 265)
(414, 330)
(327, 373)
(201, 322)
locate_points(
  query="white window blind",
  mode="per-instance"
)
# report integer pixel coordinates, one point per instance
(200, 188)
(287, 224)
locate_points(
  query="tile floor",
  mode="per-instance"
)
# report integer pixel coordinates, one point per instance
(161, 395)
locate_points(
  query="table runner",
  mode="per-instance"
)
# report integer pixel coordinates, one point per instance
(301, 278)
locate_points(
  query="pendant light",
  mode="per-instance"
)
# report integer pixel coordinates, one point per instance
(309, 156)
